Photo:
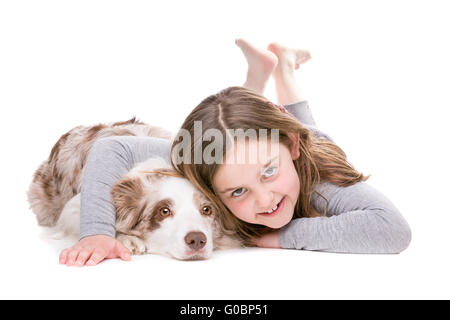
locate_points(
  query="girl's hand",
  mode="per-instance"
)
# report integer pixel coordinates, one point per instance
(269, 240)
(92, 250)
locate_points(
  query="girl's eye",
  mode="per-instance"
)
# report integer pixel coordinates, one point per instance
(236, 192)
(270, 172)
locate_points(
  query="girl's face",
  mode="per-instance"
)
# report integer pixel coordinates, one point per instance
(252, 189)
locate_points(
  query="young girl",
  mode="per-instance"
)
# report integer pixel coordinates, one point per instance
(305, 195)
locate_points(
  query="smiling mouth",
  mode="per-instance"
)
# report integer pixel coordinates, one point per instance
(275, 209)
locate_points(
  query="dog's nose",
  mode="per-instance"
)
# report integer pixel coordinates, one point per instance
(195, 240)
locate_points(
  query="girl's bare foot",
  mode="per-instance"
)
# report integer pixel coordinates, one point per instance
(287, 87)
(287, 57)
(261, 64)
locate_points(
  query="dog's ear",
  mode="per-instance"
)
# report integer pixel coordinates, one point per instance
(127, 196)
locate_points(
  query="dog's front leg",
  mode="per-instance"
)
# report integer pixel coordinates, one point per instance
(134, 244)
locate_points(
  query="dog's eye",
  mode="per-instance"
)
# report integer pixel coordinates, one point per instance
(164, 211)
(206, 210)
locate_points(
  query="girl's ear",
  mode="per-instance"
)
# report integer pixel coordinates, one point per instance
(295, 145)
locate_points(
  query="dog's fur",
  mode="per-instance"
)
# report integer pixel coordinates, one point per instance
(157, 211)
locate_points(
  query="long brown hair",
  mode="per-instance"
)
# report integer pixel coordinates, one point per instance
(238, 107)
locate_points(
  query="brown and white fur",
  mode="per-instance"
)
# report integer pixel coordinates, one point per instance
(157, 211)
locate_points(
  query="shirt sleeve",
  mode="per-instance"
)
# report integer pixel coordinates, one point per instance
(108, 160)
(359, 219)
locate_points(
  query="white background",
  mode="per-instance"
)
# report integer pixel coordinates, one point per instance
(378, 83)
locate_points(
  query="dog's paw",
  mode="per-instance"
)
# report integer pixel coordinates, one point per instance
(132, 243)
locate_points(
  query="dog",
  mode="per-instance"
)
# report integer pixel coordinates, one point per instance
(157, 210)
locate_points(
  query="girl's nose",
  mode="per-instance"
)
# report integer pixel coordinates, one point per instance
(264, 199)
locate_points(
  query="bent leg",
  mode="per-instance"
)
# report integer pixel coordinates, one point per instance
(281, 62)
(261, 64)
(287, 86)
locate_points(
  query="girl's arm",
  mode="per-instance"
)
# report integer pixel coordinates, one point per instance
(359, 219)
(112, 157)
(109, 159)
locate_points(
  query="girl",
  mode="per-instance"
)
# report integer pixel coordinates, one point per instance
(305, 195)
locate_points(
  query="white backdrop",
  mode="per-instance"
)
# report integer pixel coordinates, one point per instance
(378, 83)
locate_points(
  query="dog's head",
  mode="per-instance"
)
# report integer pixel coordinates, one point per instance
(165, 211)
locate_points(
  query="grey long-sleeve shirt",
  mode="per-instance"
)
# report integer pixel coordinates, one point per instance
(359, 219)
